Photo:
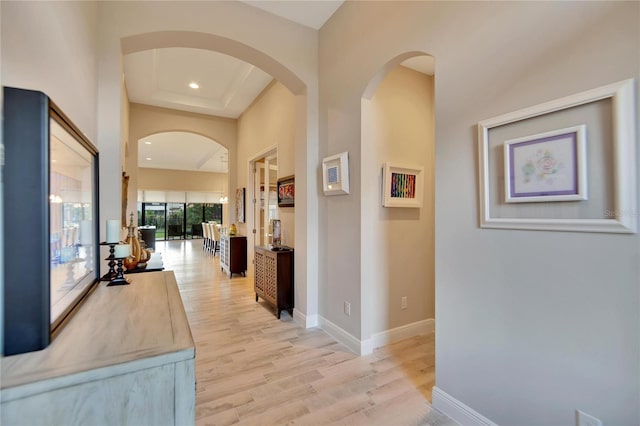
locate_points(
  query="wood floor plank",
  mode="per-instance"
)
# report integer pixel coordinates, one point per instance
(253, 369)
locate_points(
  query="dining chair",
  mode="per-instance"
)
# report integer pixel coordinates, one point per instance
(216, 238)
(205, 237)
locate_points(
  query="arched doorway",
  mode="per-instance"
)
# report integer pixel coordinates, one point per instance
(398, 244)
(181, 178)
(306, 217)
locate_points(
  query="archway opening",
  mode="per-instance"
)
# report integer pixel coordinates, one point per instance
(182, 181)
(239, 175)
(398, 243)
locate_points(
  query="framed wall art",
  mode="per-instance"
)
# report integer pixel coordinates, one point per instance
(402, 186)
(240, 204)
(534, 164)
(286, 191)
(545, 167)
(335, 174)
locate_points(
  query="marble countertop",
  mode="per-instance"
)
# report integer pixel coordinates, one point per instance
(117, 330)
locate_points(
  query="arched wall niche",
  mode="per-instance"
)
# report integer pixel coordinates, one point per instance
(394, 236)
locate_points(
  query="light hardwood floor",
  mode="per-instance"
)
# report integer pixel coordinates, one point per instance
(252, 369)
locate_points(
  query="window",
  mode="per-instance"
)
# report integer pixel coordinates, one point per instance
(180, 220)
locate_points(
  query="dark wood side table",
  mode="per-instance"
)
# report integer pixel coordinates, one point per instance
(233, 254)
(273, 278)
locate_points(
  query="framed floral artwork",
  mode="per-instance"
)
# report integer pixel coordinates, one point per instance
(546, 167)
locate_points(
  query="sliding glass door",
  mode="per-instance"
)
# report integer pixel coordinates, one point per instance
(155, 215)
(178, 220)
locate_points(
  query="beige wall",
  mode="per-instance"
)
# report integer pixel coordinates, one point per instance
(268, 122)
(399, 251)
(181, 180)
(517, 339)
(147, 120)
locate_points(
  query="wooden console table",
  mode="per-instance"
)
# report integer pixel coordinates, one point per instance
(126, 357)
(273, 278)
(233, 254)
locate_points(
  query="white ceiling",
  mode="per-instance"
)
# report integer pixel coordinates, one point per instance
(182, 151)
(161, 77)
(310, 13)
(228, 86)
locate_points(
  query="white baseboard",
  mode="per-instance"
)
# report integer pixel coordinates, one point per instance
(340, 335)
(366, 347)
(303, 320)
(456, 410)
(399, 333)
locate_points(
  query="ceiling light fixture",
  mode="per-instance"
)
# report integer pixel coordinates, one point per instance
(194, 85)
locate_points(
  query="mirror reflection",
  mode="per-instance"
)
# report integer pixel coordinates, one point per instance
(71, 223)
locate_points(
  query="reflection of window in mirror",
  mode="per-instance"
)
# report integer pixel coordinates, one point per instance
(72, 239)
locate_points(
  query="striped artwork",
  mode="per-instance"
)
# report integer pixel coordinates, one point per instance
(403, 185)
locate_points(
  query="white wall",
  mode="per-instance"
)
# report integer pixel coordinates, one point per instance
(30, 58)
(51, 47)
(530, 325)
(398, 243)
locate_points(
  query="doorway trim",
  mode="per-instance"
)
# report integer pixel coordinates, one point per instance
(251, 196)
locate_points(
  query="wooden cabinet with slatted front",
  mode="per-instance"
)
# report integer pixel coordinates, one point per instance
(273, 278)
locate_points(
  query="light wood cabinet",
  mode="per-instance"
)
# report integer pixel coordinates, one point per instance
(126, 357)
(273, 278)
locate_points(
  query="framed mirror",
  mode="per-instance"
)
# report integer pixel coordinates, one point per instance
(50, 219)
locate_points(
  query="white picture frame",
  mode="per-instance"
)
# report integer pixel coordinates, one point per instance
(624, 216)
(335, 174)
(402, 185)
(549, 166)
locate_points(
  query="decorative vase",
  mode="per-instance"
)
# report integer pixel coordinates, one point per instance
(133, 240)
(233, 230)
(144, 253)
(130, 263)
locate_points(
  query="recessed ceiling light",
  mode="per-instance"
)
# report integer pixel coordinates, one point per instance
(147, 143)
(148, 158)
(194, 85)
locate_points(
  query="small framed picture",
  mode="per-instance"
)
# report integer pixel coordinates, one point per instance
(286, 191)
(335, 174)
(402, 185)
(548, 166)
(240, 201)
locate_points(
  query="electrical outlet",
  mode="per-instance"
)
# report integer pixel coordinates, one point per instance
(584, 419)
(347, 309)
(403, 302)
